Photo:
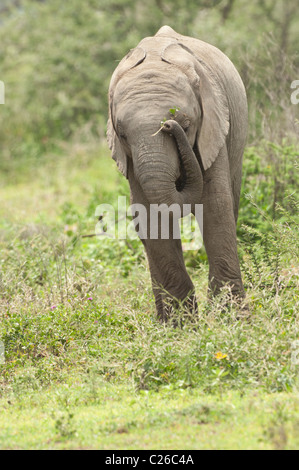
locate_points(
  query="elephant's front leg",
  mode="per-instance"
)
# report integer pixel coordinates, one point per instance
(170, 280)
(219, 228)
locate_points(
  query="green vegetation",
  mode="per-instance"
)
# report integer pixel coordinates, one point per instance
(87, 365)
(57, 59)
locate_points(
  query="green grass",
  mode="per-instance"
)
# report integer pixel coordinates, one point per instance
(99, 415)
(87, 364)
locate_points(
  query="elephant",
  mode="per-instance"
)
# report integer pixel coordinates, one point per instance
(195, 159)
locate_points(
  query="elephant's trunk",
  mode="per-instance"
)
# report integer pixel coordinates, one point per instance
(192, 180)
(171, 173)
(168, 170)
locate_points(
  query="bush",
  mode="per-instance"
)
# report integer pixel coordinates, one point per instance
(57, 59)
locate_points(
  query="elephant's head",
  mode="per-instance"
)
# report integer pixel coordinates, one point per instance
(158, 75)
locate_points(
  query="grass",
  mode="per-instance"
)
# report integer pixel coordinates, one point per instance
(103, 415)
(87, 365)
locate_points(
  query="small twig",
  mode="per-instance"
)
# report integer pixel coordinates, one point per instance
(157, 131)
(90, 235)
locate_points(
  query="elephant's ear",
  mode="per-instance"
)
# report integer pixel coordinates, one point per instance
(215, 114)
(131, 60)
(117, 152)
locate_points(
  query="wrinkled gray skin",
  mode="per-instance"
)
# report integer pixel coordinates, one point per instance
(196, 159)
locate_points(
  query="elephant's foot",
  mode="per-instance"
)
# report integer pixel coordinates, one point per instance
(230, 296)
(233, 287)
(174, 311)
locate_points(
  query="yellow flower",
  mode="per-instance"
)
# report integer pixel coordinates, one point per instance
(220, 356)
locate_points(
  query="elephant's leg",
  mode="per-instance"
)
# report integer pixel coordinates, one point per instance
(219, 228)
(236, 189)
(170, 280)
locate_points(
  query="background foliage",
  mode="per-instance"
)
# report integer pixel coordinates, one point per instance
(86, 362)
(57, 58)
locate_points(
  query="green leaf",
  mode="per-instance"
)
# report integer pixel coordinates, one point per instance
(174, 110)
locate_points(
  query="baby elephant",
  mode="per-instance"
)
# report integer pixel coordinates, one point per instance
(192, 157)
